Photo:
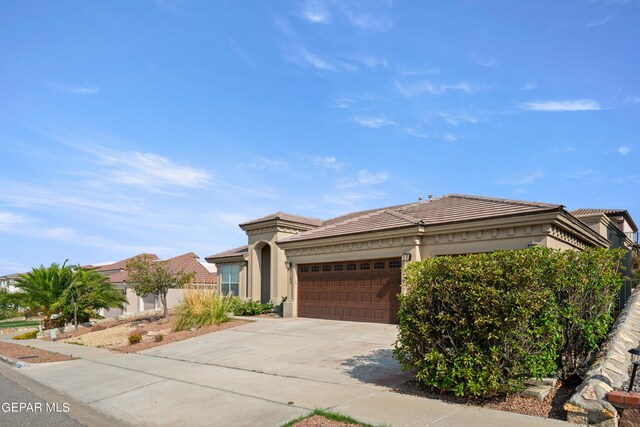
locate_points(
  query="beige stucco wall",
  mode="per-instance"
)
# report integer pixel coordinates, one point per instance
(609, 229)
(546, 230)
(278, 277)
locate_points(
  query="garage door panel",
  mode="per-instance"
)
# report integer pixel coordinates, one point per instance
(363, 291)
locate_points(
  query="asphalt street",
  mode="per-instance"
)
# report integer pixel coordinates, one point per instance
(20, 407)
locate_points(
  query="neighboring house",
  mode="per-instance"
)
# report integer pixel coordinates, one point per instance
(7, 283)
(616, 225)
(349, 267)
(118, 277)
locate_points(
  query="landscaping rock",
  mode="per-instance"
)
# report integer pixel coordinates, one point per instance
(536, 392)
(589, 405)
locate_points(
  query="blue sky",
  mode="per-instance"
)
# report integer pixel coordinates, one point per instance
(130, 126)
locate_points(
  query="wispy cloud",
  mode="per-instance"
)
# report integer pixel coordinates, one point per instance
(364, 15)
(78, 89)
(316, 60)
(329, 162)
(241, 54)
(429, 87)
(305, 58)
(404, 71)
(561, 106)
(315, 11)
(365, 178)
(415, 131)
(448, 136)
(581, 174)
(481, 60)
(368, 60)
(566, 150)
(343, 103)
(370, 16)
(373, 122)
(9, 219)
(525, 179)
(624, 150)
(8, 266)
(600, 21)
(457, 119)
(151, 171)
(263, 163)
(529, 86)
(631, 99)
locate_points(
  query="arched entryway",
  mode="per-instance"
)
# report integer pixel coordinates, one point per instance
(265, 274)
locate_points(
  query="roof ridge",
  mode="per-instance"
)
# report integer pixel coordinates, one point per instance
(501, 200)
(335, 224)
(405, 217)
(357, 214)
(278, 216)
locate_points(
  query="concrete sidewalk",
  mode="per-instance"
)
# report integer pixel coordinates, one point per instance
(258, 374)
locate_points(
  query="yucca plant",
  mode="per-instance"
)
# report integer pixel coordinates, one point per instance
(202, 307)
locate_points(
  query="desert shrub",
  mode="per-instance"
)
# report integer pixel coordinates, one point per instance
(481, 324)
(26, 336)
(201, 306)
(251, 308)
(9, 314)
(135, 338)
(158, 338)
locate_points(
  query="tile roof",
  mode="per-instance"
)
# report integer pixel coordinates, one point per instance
(452, 208)
(119, 265)
(607, 212)
(239, 251)
(187, 262)
(283, 216)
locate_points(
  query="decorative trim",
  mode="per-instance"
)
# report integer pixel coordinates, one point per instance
(273, 229)
(566, 237)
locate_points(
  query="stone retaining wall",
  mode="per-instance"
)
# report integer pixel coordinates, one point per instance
(608, 372)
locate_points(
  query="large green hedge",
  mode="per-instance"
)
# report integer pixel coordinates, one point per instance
(481, 324)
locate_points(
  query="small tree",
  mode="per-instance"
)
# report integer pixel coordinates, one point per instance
(88, 292)
(148, 276)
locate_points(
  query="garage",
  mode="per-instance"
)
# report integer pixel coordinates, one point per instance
(361, 291)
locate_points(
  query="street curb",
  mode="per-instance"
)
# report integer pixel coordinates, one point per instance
(81, 412)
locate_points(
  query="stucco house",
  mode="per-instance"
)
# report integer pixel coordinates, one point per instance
(349, 267)
(118, 277)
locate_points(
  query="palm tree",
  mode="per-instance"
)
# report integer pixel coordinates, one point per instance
(88, 292)
(42, 287)
(74, 292)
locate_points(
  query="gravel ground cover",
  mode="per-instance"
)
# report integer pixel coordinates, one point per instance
(155, 331)
(29, 354)
(550, 407)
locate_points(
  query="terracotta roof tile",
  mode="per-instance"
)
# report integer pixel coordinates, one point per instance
(190, 264)
(187, 262)
(119, 265)
(443, 210)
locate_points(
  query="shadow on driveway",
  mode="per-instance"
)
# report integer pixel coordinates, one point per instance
(377, 367)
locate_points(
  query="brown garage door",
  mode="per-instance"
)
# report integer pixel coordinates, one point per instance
(363, 291)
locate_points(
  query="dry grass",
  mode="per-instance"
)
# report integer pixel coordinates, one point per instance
(202, 307)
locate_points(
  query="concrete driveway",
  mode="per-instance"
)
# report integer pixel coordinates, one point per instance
(263, 373)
